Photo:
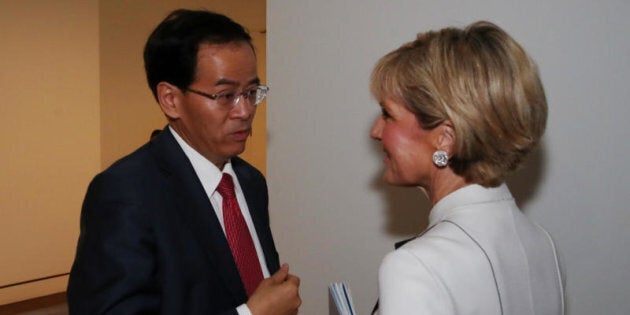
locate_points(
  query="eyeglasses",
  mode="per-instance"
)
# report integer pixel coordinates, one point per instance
(253, 96)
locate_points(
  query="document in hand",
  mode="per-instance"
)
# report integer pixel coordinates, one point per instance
(340, 299)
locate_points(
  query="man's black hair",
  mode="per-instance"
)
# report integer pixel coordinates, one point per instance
(170, 54)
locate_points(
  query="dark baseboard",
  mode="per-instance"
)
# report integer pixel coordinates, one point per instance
(33, 304)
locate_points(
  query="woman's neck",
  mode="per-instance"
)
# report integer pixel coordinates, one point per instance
(444, 182)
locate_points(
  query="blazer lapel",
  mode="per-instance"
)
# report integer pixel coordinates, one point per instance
(196, 210)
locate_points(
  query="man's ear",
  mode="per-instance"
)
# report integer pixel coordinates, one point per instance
(168, 97)
(445, 139)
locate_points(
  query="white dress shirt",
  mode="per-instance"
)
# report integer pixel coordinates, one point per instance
(479, 255)
(210, 176)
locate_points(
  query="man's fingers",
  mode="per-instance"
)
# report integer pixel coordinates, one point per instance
(281, 274)
(293, 279)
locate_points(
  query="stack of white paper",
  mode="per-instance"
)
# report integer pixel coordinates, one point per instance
(342, 298)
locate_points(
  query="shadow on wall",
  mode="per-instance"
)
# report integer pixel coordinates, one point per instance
(407, 208)
(524, 182)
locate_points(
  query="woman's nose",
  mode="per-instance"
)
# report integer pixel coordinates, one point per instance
(377, 127)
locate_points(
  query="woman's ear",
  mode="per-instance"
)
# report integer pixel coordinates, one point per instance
(446, 137)
(168, 97)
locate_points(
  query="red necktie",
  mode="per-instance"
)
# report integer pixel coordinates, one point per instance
(239, 238)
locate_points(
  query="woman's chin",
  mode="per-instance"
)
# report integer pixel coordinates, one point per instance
(393, 180)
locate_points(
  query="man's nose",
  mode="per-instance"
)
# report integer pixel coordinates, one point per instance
(242, 108)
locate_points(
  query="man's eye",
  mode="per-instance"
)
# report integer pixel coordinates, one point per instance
(249, 93)
(227, 96)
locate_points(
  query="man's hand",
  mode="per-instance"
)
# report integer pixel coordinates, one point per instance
(276, 295)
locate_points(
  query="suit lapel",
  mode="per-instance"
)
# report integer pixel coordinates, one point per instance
(255, 191)
(196, 210)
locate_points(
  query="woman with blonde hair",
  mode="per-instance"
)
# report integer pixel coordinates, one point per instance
(461, 109)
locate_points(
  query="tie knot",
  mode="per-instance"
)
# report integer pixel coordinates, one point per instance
(226, 186)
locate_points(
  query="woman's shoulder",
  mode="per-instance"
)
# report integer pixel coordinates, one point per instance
(440, 250)
(443, 265)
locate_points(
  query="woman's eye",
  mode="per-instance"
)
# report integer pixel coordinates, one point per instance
(385, 114)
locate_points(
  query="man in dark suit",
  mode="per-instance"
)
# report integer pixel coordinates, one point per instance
(155, 234)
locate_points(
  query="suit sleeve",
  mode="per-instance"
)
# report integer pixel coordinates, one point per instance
(408, 286)
(114, 263)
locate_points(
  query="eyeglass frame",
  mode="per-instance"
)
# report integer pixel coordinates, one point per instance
(262, 89)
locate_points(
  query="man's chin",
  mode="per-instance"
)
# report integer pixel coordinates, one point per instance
(238, 149)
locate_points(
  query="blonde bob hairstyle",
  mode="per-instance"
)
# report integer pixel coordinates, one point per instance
(480, 80)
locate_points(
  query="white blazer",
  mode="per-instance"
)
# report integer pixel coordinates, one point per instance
(479, 255)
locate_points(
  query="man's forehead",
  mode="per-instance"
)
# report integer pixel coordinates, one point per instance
(213, 47)
(232, 63)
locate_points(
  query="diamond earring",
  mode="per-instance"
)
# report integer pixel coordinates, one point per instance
(440, 158)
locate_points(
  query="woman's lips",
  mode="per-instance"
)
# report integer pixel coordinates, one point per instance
(386, 157)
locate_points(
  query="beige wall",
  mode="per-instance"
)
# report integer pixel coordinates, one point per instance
(74, 99)
(49, 147)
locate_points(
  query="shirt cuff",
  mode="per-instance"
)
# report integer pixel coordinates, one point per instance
(243, 310)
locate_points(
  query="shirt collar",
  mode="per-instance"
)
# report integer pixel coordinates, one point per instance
(465, 196)
(208, 173)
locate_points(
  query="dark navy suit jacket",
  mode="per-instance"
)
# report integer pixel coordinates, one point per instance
(151, 243)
